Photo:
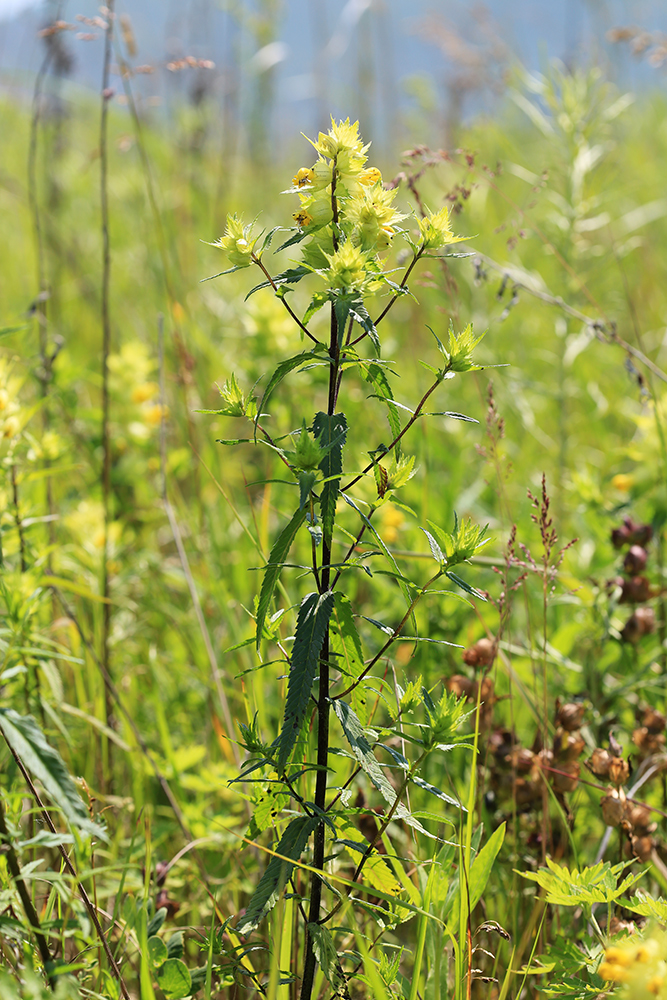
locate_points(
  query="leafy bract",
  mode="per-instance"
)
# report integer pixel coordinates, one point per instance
(327, 958)
(28, 742)
(311, 625)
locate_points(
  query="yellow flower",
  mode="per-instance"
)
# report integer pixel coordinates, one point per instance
(4, 399)
(436, 230)
(302, 177)
(236, 242)
(639, 965)
(371, 175)
(392, 519)
(371, 212)
(144, 391)
(11, 426)
(341, 138)
(622, 482)
(302, 218)
(153, 414)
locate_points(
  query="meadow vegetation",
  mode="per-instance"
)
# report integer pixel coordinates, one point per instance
(145, 786)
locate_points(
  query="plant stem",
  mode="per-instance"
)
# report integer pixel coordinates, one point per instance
(106, 349)
(323, 703)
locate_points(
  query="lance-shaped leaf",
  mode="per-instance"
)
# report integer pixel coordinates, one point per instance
(28, 742)
(363, 751)
(331, 432)
(288, 277)
(377, 378)
(311, 626)
(305, 359)
(328, 960)
(274, 566)
(266, 895)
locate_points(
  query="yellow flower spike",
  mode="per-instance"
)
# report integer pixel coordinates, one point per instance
(341, 138)
(612, 973)
(620, 956)
(303, 176)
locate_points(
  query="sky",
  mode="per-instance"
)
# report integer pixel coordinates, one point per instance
(9, 7)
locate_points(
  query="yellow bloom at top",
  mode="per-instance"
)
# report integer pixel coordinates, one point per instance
(341, 138)
(436, 230)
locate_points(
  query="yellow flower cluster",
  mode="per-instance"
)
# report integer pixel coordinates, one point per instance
(366, 217)
(639, 965)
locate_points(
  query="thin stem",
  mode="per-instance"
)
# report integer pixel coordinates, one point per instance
(106, 350)
(415, 416)
(17, 520)
(22, 889)
(323, 702)
(393, 637)
(284, 301)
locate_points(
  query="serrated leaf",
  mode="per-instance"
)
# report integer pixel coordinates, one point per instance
(436, 551)
(306, 482)
(27, 740)
(571, 887)
(327, 958)
(270, 802)
(363, 751)
(377, 378)
(277, 872)
(297, 238)
(318, 300)
(278, 555)
(331, 431)
(174, 979)
(311, 626)
(359, 313)
(646, 906)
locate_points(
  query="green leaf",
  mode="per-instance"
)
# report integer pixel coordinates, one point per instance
(311, 626)
(359, 313)
(596, 884)
(156, 921)
(277, 872)
(288, 277)
(175, 945)
(327, 958)
(306, 482)
(157, 952)
(273, 569)
(318, 300)
(174, 979)
(331, 432)
(289, 365)
(363, 751)
(646, 906)
(377, 378)
(432, 790)
(480, 870)
(27, 740)
(297, 238)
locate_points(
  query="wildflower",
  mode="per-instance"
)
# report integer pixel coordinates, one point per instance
(369, 176)
(302, 177)
(622, 482)
(302, 218)
(342, 141)
(144, 391)
(153, 414)
(347, 268)
(460, 350)
(639, 966)
(373, 216)
(236, 243)
(436, 230)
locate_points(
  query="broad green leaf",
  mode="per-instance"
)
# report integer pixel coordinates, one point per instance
(327, 958)
(273, 569)
(270, 802)
(157, 952)
(277, 872)
(174, 979)
(331, 432)
(480, 870)
(311, 625)
(175, 945)
(156, 921)
(27, 740)
(377, 378)
(349, 658)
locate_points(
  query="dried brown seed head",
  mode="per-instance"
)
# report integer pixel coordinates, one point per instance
(613, 809)
(568, 746)
(570, 716)
(619, 771)
(598, 762)
(481, 654)
(635, 560)
(565, 776)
